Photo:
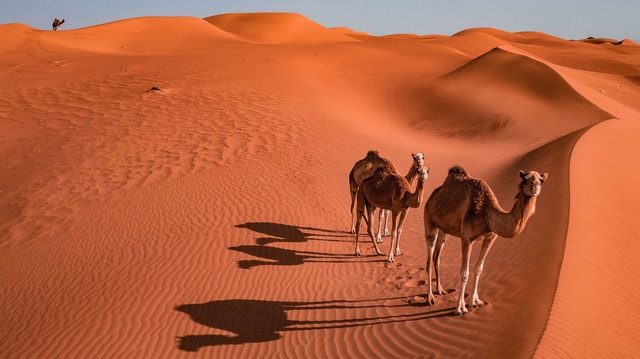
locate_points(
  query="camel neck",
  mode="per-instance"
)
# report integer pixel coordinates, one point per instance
(411, 175)
(415, 199)
(510, 224)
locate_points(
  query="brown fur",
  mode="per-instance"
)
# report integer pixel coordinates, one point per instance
(367, 166)
(56, 24)
(390, 191)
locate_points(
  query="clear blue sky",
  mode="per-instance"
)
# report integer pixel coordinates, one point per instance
(569, 19)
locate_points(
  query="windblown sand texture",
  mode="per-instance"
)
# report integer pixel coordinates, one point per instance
(209, 217)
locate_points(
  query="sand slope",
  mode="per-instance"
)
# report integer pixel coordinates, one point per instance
(209, 216)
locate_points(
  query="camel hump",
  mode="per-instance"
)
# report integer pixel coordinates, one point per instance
(458, 171)
(385, 173)
(373, 153)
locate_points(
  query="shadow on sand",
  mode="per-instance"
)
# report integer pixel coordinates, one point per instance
(254, 321)
(277, 232)
(283, 233)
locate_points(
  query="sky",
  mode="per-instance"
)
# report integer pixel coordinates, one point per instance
(568, 19)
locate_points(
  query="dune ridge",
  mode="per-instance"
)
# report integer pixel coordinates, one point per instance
(184, 192)
(275, 27)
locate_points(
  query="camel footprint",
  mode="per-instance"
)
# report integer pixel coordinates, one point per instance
(403, 278)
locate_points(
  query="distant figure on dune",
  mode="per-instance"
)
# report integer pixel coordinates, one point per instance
(467, 208)
(56, 24)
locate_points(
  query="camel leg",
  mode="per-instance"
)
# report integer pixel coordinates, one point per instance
(464, 275)
(380, 220)
(403, 217)
(430, 236)
(370, 210)
(394, 235)
(353, 191)
(486, 246)
(357, 228)
(442, 238)
(359, 214)
(386, 223)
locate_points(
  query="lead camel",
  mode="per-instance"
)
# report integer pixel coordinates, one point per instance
(467, 208)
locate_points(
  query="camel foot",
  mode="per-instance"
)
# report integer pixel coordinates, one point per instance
(461, 311)
(379, 239)
(391, 259)
(358, 254)
(387, 234)
(431, 300)
(441, 291)
(380, 253)
(477, 303)
(398, 252)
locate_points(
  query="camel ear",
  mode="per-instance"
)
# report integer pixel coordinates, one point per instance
(545, 176)
(522, 174)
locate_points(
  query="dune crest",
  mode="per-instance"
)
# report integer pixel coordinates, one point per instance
(274, 28)
(452, 105)
(144, 35)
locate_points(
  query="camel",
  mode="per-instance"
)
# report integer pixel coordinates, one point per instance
(365, 168)
(56, 24)
(467, 208)
(388, 190)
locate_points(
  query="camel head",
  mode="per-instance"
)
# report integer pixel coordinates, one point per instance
(418, 159)
(423, 173)
(532, 182)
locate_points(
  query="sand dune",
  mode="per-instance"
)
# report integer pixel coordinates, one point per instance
(176, 186)
(273, 28)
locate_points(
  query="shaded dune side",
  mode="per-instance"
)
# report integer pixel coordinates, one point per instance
(503, 95)
(277, 28)
(477, 41)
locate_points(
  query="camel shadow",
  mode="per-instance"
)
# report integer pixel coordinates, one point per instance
(278, 232)
(284, 257)
(283, 233)
(242, 321)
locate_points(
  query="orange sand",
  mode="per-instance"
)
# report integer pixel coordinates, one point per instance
(209, 218)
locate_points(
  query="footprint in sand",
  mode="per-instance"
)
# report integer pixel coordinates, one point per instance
(411, 283)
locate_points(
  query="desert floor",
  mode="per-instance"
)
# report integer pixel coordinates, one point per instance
(178, 187)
